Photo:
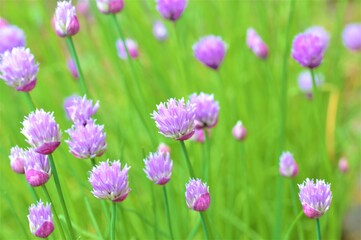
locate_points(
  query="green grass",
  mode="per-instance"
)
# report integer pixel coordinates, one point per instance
(242, 179)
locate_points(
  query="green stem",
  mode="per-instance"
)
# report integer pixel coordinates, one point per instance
(167, 212)
(61, 197)
(185, 153)
(314, 86)
(112, 226)
(30, 101)
(293, 225)
(92, 218)
(93, 161)
(74, 56)
(33, 192)
(207, 150)
(204, 225)
(294, 203)
(318, 229)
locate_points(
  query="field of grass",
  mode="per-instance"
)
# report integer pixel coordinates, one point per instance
(249, 198)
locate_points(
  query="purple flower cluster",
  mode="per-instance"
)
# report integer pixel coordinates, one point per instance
(37, 168)
(197, 195)
(132, 48)
(110, 6)
(10, 37)
(158, 167)
(351, 36)
(160, 31)
(210, 50)
(40, 220)
(207, 110)
(239, 132)
(256, 44)
(171, 9)
(80, 109)
(65, 22)
(288, 166)
(305, 82)
(17, 159)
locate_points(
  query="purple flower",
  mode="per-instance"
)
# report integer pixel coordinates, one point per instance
(158, 167)
(65, 21)
(305, 82)
(321, 33)
(206, 110)
(175, 119)
(256, 44)
(132, 48)
(37, 168)
(239, 131)
(315, 198)
(210, 50)
(80, 109)
(10, 37)
(160, 31)
(198, 135)
(83, 7)
(343, 165)
(72, 68)
(197, 195)
(109, 181)
(18, 69)
(41, 131)
(288, 166)
(110, 6)
(163, 148)
(351, 36)
(171, 9)
(87, 141)
(40, 220)
(308, 50)
(17, 159)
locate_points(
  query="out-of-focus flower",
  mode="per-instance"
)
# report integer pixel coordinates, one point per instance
(132, 48)
(351, 36)
(10, 37)
(158, 167)
(17, 159)
(199, 135)
(239, 131)
(288, 165)
(321, 33)
(83, 7)
(40, 220)
(305, 82)
(110, 6)
(72, 68)
(65, 22)
(171, 9)
(3, 22)
(197, 195)
(210, 50)
(160, 31)
(163, 148)
(207, 110)
(256, 44)
(343, 165)
(80, 109)
(37, 168)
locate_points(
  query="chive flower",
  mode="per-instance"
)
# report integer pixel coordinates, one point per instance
(10, 37)
(163, 148)
(160, 31)
(80, 109)
(197, 195)
(65, 22)
(210, 50)
(110, 6)
(343, 165)
(17, 159)
(41, 219)
(37, 168)
(207, 110)
(305, 82)
(351, 36)
(256, 44)
(132, 48)
(171, 9)
(239, 132)
(158, 167)
(199, 135)
(321, 33)
(288, 166)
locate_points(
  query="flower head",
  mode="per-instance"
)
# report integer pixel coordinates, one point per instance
(83, 6)
(171, 9)
(351, 36)
(321, 33)
(210, 50)
(109, 181)
(197, 195)
(315, 197)
(256, 44)
(132, 48)
(288, 166)
(72, 68)
(40, 220)
(80, 109)
(160, 31)
(305, 82)
(11, 37)
(343, 165)
(308, 50)
(158, 167)
(41, 131)
(199, 135)
(239, 131)
(207, 110)
(65, 22)
(110, 6)
(163, 148)
(18, 69)
(17, 159)
(175, 119)
(37, 168)
(87, 141)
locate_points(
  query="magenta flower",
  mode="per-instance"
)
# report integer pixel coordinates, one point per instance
(321, 33)
(343, 165)
(315, 198)
(10, 37)
(305, 82)
(288, 166)
(239, 131)
(18, 69)
(110, 6)
(171, 9)
(351, 36)
(207, 110)
(197, 195)
(65, 21)
(17, 159)
(308, 50)
(87, 141)
(199, 135)
(210, 50)
(80, 109)
(109, 181)
(72, 68)
(175, 119)
(256, 44)
(160, 31)
(158, 167)
(163, 148)
(37, 168)
(40, 220)
(132, 48)
(41, 131)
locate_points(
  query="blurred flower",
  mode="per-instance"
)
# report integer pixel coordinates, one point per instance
(41, 131)
(3, 23)
(239, 131)
(351, 36)
(198, 135)
(80, 109)
(175, 119)
(17, 159)
(10, 37)
(160, 31)
(87, 141)
(343, 165)
(37, 168)
(65, 21)
(40, 220)
(171, 9)
(305, 82)
(72, 67)
(288, 166)
(321, 33)
(132, 48)
(109, 181)
(163, 148)
(210, 50)
(256, 44)
(110, 6)
(308, 50)
(83, 7)
(207, 110)
(197, 195)
(315, 198)
(18, 69)
(158, 167)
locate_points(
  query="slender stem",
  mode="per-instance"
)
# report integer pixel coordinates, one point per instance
(318, 229)
(33, 192)
(112, 226)
(314, 86)
(61, 197)
(294, 203)
(155, 219)
(93, 161)
(293, 225)
(30, 101)
(207, 150)
(185, 153)
(92, 218)
(167, 212)
(204, 225)
(74, 56)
